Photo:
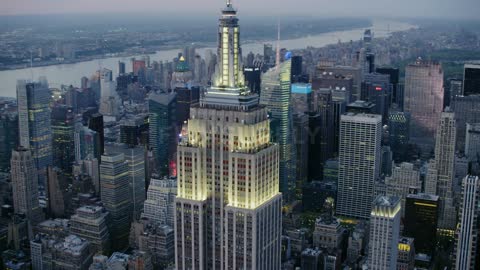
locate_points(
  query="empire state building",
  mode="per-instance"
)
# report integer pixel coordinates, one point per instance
(228, 205)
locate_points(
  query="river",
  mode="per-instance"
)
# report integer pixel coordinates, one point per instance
(71, 73)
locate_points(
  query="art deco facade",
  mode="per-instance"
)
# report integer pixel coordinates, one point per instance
(441, 172)
(25, 185)
(384, 233)
(424, 100)
(228, 208)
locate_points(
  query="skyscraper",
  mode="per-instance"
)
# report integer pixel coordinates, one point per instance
(443, 169)
(228, 208)
(404, 178)
(466, 248)
(466, 110)
(8, 136)
(276, 96)
(421, 219)
(159, 207)
(135, 158)
(162, 130)
(471, 79)
(359, 163)
(399, 132)
(472, 142)
(34, 122)
(116, 196)
(95, 123)
(424, 100)
(63, 130)
(384, 233)
(25, 185)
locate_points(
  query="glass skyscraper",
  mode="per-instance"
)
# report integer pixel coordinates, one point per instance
(34, 122)
(276, 96)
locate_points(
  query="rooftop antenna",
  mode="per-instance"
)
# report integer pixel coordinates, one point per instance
(31, 64)
(277, 64)
(229, 3)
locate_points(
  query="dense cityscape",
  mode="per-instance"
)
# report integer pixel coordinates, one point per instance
(360, 154)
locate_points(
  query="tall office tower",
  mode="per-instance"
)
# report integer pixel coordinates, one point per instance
(134, 131)
(384, 233)
(34, 123)
(405, 179)
(359, 167)
(301, 140)
(471, 79)
(25, 186)
(268, 55)
(86, 142)
(443, 169)
(57, 197)
(95, 123)
(424, 100)
(163, 135)
(466, 110)
(376, 88)
(110, 101)
(90, 222)
(135, 158)
(121, 68)
(472, 142)
(116, 196)
(399, 132)
(301, 98)
(335, 82)
(456, 89)
(8, 136)
(301, 107)
(466, 248)
(394, 80)
(276, 96)
(159, 207)
(253, 76)
(63, 130)
(421, 219)
(228, 208)
(355, 73)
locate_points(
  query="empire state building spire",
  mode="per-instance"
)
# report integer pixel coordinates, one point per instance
(228, 82)
(229, 69)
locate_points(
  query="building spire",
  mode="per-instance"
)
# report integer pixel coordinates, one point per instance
(277, 64)
(229, 3)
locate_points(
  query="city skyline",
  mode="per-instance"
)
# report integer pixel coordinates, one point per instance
(334, 148)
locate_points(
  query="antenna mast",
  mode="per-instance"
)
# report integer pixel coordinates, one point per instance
(277, 64)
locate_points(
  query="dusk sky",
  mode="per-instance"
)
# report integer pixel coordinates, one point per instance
(403, 8)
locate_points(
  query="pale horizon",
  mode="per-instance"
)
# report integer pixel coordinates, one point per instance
(448, 9)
